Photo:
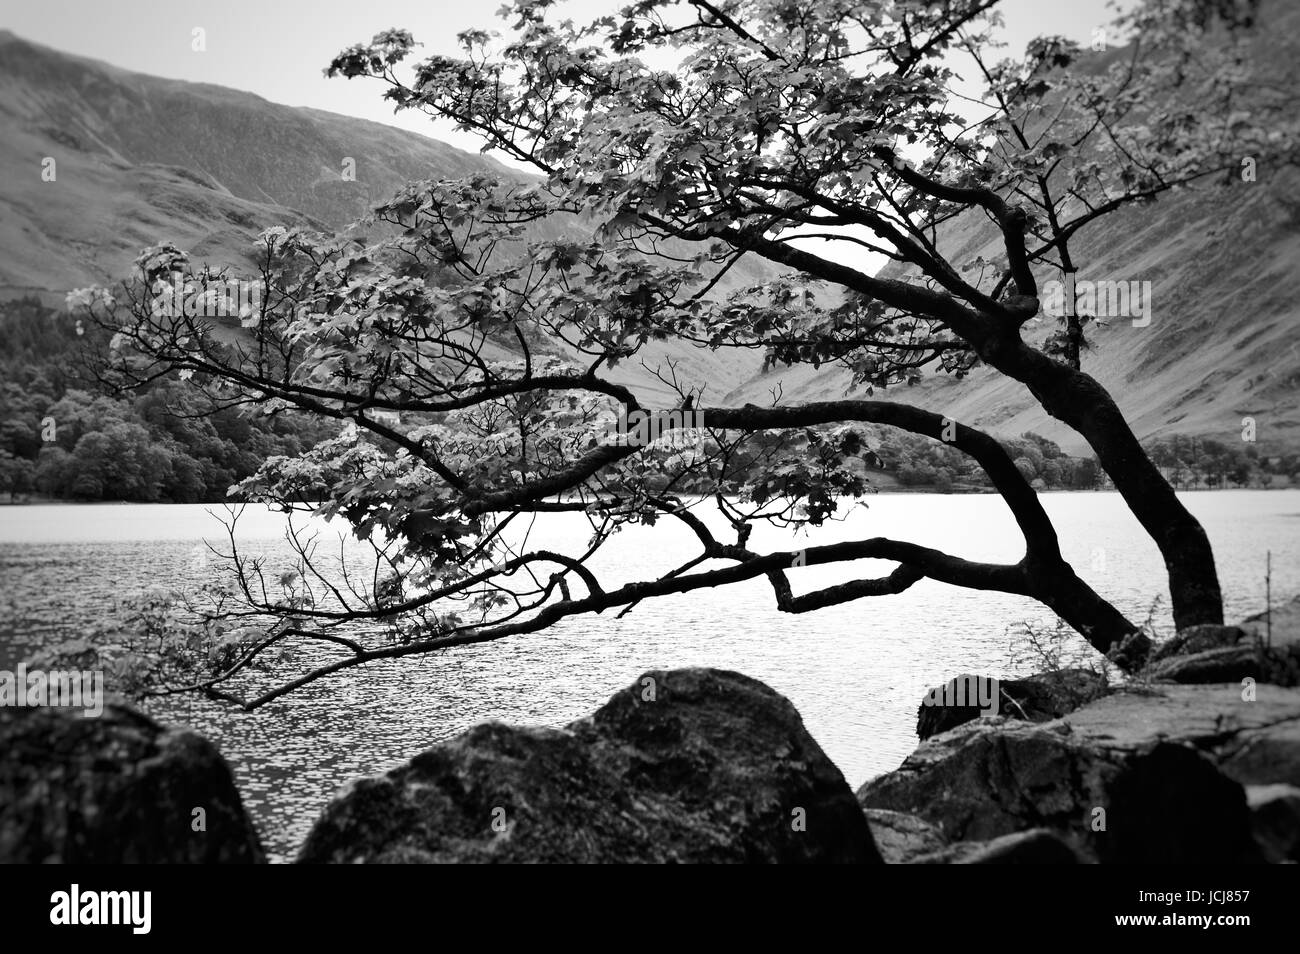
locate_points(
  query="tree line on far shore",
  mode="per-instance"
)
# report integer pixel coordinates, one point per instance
(1188, 463)
(65, 436)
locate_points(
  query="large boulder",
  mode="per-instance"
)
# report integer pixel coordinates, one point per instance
(1251, 733)
(1130, 777)
(693, 765)
(1038, 698)
(117, 789)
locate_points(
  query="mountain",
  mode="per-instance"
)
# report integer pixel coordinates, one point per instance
(139, 160)
(1222, 343)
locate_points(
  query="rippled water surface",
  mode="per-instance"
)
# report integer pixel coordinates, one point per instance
(855, 672)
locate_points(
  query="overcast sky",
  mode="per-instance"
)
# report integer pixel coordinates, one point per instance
(278, 48)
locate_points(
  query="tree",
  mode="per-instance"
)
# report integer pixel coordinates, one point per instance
(1049, 449)
(121, 461)
(1086, 474)
(79, 413)
(17, 474)
(1034, 455)
(54, 471)
(782, 126)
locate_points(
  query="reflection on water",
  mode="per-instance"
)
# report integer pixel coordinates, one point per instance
(855, 672)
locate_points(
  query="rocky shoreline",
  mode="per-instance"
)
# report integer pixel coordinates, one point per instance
(1196, 760)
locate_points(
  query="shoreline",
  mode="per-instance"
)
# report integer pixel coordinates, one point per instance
(892, 491)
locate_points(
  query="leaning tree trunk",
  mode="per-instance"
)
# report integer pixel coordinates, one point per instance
(1080, 401)
(1069, 395)
(1059, 588)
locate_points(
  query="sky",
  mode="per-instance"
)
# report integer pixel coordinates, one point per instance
(279, 48)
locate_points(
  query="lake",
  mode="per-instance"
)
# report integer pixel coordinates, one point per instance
(856, 672)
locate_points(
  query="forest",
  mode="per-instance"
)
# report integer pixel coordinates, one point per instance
(65, 434)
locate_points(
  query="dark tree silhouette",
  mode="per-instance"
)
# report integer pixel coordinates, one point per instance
(780, 123)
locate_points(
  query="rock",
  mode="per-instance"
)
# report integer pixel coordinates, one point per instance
(902, 838)
(949, 705)
(1285, 628)
(1171, 805)
(693, 765)
(1038, 846)
(1251, 733)
(1275, 817)
(1226, 664)
(1131, 653)
(1130, 777)
(1215, 654)
(117, 789)
(1279, 667)
(1038, 698)
(1196, 639)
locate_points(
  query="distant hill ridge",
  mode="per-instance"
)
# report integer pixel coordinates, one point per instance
(142, 160)
(139, 156)
(1224, 339)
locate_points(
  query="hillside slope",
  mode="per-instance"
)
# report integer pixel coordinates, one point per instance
(1222, 343)
(140, 160)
